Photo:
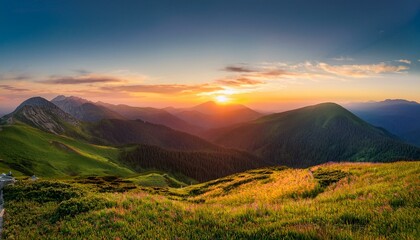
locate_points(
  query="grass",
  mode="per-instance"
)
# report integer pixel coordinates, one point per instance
(50, 155)
(157, 179)
(357, 201)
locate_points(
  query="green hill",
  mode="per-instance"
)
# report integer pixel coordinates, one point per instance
(314, 135)
(27, 150)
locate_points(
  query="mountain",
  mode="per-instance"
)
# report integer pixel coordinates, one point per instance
(40, 113)
(152, 115)
(210, 115)
(400, 117)
(84, 110)
(314, 135)
(122, 132)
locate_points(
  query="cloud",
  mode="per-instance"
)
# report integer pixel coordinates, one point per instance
(81, 80)
(238, 69)
(15, 77)
(241, 81)
(13, 89)
(163, 88)
(404, 61)
(358, 71)
(341, 58)
(82, 71)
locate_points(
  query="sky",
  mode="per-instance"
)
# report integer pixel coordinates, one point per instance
(269, 55)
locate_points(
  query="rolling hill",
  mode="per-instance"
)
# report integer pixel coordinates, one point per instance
(400, 117)
(313, 135)
(27, 151)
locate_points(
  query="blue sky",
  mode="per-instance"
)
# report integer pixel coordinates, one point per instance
(193, 42)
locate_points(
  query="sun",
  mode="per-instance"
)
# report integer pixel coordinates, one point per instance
(222, 99)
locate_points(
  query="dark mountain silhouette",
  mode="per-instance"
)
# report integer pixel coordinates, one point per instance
(400, 117)
(152, 115)
(211, 115)
(314, 135)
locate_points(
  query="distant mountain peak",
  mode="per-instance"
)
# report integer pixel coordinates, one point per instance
(399, 101)
(59, 98)
(36, 102)
(74, 99)
(42, 114)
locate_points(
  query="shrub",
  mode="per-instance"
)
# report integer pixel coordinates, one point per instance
(42, 191)
(76, 206)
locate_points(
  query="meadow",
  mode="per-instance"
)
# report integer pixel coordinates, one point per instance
(330, 201)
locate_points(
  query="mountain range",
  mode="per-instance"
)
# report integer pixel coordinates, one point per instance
(400, 117)
(44, 136)
(120, 135)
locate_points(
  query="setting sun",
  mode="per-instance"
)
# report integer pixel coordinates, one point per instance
(222, 99)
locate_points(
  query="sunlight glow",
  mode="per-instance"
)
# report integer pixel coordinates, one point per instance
(222, 99)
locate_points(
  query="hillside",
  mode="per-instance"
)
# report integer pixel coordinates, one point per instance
(210, 115)
(50, 155)
(198, 165)
(83, 109)
(329, 201)
(400, 117)
(122, 132)
(313, 135)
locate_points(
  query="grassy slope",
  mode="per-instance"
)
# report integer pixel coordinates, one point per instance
(336, 201)
(50, 155)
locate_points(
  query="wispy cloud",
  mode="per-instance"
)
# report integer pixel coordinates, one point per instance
(82, 71)
(357, 71)
(13, 89)
(15, 76)
(404, 61)
(241, 81)
(238, 69)
(163, 88)
(315, 71)
(85, 79)
(342, 58)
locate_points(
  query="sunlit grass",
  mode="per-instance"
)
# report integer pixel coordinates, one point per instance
(353, 201)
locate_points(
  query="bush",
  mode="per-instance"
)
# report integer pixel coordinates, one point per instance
(42, 191)
(75, 206)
